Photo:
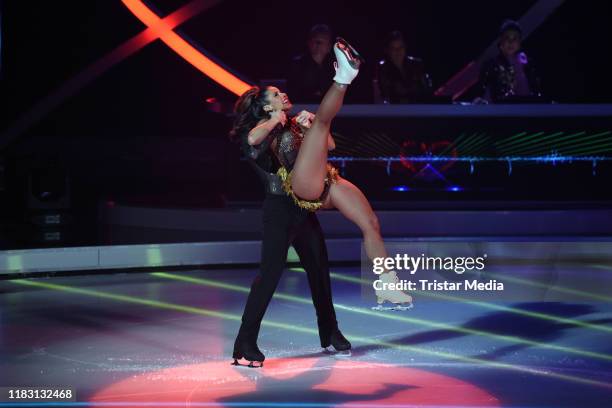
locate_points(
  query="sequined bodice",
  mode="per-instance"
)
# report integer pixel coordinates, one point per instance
(287, 146)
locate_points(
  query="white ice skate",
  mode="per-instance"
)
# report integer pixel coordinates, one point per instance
(399, 299)
(347, 62)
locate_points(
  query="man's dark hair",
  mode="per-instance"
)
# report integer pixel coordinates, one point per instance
(394, 35)
(320, 29)
(508, 25)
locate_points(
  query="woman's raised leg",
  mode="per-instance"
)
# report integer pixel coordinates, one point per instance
(310, 168)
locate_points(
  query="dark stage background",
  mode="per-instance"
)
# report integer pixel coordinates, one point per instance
(141, 132)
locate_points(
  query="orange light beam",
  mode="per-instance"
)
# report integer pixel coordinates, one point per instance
(178, 44)
(100, 66)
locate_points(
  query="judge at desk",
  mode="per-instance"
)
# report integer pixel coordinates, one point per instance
(510, 76)
(402, 78)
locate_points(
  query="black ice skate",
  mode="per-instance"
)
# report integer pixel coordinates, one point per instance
(248, 352)
(337, 345)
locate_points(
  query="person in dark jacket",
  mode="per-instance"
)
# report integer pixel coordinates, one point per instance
(310, 74)
(402, 78)
(510, 76)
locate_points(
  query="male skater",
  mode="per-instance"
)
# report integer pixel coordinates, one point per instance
(284, 224)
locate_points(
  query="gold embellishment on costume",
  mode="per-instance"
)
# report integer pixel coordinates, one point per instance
(310, 205)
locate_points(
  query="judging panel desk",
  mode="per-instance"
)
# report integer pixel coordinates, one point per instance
(479, 152)
(469, 110)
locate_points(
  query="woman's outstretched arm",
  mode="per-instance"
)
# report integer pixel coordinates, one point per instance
(259, 133)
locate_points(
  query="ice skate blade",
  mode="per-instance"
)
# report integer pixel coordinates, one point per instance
(330, 350)
(251, 364)
(399, 307)
(352, 55)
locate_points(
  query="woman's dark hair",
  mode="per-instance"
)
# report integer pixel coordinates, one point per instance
(248, 110)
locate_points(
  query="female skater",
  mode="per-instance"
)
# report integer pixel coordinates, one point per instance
(262, 121)
(301, 146)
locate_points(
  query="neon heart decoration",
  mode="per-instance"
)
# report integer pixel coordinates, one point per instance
(410, 148)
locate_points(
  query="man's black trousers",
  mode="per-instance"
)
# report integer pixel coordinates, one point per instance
(286, 224)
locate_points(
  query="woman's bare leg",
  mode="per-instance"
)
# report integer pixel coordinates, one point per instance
(308, 174)
(351, 202)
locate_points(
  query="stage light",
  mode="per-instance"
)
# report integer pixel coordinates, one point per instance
(154, 256)
(400, 188)
(411, 320)
(293, 327)
(189, 53)
(15, 263)
(555, 288)
(93, 71)
(484, 305)
(296, 382)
